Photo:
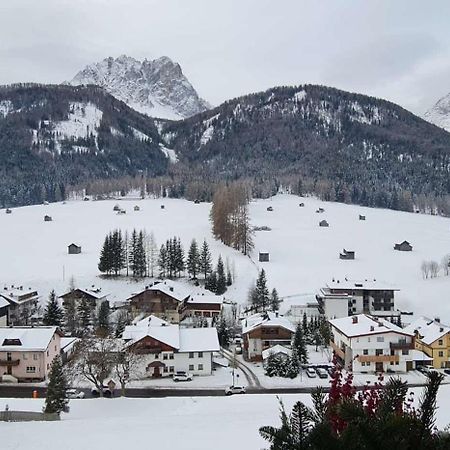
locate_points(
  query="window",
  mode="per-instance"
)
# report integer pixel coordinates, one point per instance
(165, 356)
(440, 354)
(396, 363)
(368, 364)
(156, 355)
(363, 363)
(191, 355)
(405, 352)
(47, 353)
(31, 369)
(171, 356)
(171, 369)
(365, 351)
(380, 339)
(391, 363)
(200, 354)
(35, 356)
(441, 342)
(378, 351)
(200, 367)
(166, 369)
(191, 366)
(25, 356)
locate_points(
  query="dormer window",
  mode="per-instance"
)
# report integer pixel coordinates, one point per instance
(12, 342)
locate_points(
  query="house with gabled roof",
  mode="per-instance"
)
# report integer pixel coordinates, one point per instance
(22, 304)
(201, 305)
(364, 343)
(94, 296)
(26, 353)
(163, 299)
(262, 331)
(433, 338)
(168, 348)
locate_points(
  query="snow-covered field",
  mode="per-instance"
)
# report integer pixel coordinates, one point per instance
(303, 256)
(201, 423)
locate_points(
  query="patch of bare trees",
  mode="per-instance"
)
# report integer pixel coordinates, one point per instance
(432, 269)
(230, 218)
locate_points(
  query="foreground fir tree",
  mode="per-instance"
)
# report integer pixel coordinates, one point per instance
(103, 326)
(205, 260)
(299, 345)
(193, 260)
(53, 314)
(262, 292)
(56, 399)
(221, 285)
(381, 417)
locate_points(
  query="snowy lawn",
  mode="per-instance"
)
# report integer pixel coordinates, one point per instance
(186, 423)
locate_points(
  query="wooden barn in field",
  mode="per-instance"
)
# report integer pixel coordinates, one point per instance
(264, 256)
(324, 223)
(47, 218)
(74, 249)
(404, 246)
(347, 254)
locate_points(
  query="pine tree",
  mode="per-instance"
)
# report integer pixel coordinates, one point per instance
(103, 327)
(293, 365)
(117, 252)
(305, 324)
(152, 254)
(193, 259)
(84, 315)
(121, 322)
(137, 254)
(205, 260)
(178, 256)
(163, 261)
(56, 399)
(262, 293)
(105, 263)
(70, 316)
(229, 277)
(53, 314)
(221, 285)
(274, 366)
(211, 282)
(299, 345)
(223, 332)
(274, 300)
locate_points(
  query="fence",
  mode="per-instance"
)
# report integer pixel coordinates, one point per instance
(27, 416)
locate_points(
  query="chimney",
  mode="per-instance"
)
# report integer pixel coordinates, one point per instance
(372, 328)
(441, 330)
(437, 319)
(355, 319)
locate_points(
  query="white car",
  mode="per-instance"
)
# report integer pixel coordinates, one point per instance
(182, 376)
(235, 390)
(311, 372)
(74, 393)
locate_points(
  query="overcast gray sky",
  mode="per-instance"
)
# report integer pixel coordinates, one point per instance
(395, 49)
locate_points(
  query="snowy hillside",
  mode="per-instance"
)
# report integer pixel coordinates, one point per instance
(439, 114)
(303, 256)
(157, 88)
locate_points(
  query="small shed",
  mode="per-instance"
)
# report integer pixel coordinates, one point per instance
(197, 201)
(122, 211)
(162, 206)
(320, 210)
(86, 199)
(116, 208)
(404, 246)
(264, 256)
(269, 208)
(301, 205)
(136, 208)
(362, 217)
(324, 223)
(347, 254)
(8, 211)
(47, 218)
(74, 249)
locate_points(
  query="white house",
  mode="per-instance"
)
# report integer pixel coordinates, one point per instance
(4, 307)
(26, 353)
(342, 298)
(369, 344)
(22, 304)
(169, 348)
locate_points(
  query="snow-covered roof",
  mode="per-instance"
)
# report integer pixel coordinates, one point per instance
(372, 285)
(429, 330)
(362, 325)
(170, 288)
(205, 298)
(3, 302)
(67, 343)
(275, 350)
(28, 338)
(19, 295)
(418, 355)
(199, 340)
(268, 319)
(181, 339)
(97, 294)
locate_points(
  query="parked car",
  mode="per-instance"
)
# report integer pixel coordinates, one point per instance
(447, 371)
(330, 371)
(74, 393)
(237, 340)
(181, 375)
(311, 372)
(238, 350)
(322, 372)
(106, 392)
(235, 390)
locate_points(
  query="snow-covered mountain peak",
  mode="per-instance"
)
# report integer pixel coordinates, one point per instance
(439, 114)
(157, 87)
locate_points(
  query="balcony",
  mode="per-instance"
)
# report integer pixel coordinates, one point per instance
(401, 346)
(378, 358)
(9, 362)
(337, 350)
